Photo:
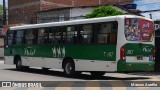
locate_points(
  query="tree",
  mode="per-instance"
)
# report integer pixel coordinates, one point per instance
(104, 11)
(1, 9)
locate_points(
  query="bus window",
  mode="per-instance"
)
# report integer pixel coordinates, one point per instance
(71, 34)
(51, 36)
(55, 35)
(64, 35)
(10, 38)
(107, 33)
(86, 34)
(103, 33)
(41, 36)
(57, 38)
(31, 37)
(19, 37)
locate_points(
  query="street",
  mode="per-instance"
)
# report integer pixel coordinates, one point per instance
(82, 82)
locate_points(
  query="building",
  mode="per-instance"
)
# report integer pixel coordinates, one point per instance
(62, 14)
(24, 11)
(71, 13)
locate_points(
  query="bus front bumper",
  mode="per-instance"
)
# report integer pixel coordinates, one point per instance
(124, 66)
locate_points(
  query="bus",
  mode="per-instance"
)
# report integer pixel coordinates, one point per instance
(98, 45)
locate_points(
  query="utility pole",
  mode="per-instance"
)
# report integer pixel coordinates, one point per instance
(150, 16)
(4, 12)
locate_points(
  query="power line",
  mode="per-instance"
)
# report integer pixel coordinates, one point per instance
(150, 11)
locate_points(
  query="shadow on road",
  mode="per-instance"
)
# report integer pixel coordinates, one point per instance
(145, 73)
(81, 76)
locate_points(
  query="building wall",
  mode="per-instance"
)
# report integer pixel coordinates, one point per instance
(63, 14)
(78, 13)
(18, 2)
(24, 11)
(53, 15)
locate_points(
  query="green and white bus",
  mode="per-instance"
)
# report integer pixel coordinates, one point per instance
(98, 45)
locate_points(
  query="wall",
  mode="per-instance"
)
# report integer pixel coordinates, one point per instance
(53, 15)
(24, 11)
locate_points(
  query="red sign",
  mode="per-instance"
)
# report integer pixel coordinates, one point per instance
(146, 29)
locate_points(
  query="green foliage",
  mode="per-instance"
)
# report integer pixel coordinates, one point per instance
(1, 9)
(104, 11)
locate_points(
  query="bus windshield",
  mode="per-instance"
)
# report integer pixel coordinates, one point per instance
(138, 30)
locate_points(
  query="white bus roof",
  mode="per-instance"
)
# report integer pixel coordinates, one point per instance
(74, 22)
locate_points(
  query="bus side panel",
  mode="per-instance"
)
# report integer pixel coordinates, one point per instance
(93, 57)
(86, 57)
(94, 65)
(92, 52)
(8, 58)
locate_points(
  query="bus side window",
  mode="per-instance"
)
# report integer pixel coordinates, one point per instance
(64, 35)
(51, 35)
(71, 34)
(19, 37)
(30, 37)
(41, 36)
(112, 38)
(10, 38)
(103, 33)
(107, 33)
(113, 34)
(86, 34)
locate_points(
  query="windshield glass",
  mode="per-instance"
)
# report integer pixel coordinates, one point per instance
(138, 29)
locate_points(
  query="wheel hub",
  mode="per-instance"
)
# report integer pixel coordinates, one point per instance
(68, 68)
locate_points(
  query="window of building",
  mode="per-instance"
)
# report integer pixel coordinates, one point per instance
(10, 38)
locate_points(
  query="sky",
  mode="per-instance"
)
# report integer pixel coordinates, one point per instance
(1, 2)
(142, 5)
(145, 5)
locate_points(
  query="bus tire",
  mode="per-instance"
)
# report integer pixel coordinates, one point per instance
(97, 74)
(69, 68)
(19, 64)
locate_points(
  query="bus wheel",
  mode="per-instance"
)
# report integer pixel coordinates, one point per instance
(69, 68)
(97, 74)
(19, 64)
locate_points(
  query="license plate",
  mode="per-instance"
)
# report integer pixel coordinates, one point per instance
(151, 58)
(139, 58)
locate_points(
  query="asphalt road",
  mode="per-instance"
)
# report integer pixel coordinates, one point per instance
(56, 80)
